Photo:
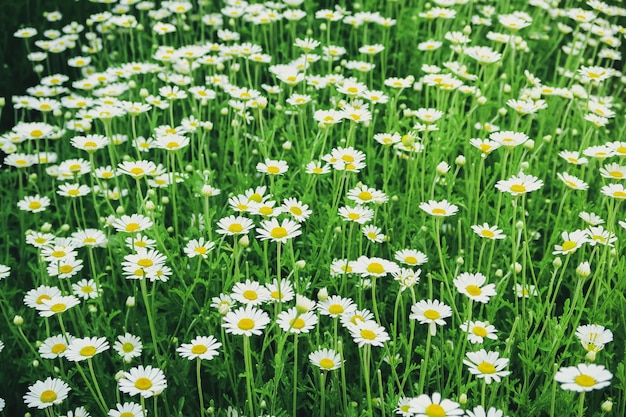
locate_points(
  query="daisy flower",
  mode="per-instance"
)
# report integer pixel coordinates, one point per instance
(86, 348)
(198, 247)
(430, 406)
(126, 410)
(325, 359)
(272, 167)
(571, 242)
(90, 238)
(487, 365)
(613, 171)
(234, 225)
(358, 214)
(265, 209)
(246, 321)
(404, 407)
(376, 267)
(145, 381)
(519, 184)
(617, 191)
(477, 331)
(250, 293)
(137, 169)
(472, 285)
(362, 194)
(508, 139)
(597, 234)
(354, 316)
(128, 346)
(583, 377)
(43, 394)
(5, 271)
(488, 232)
(292, 321)
(37, 296)
(55, 346)
(132, 224)
(144, 263)
(368, 333)
(411, 257)
(486, 146)
(56, 305)
(278, 232)
(572, 182)
(439, 208)
(407, 277)
(373, 233)
(139, 241)
(479, 411)
(222, 303)
(593, 337)
(298, 210)
(431, 312)
(73, 190)
(65, 268)
(525, 292)
(282, 292)
(591, 219)
(86, 289)
(316, 168)
(34, 204)
(335, 305)
(39, 239)
(202, 347)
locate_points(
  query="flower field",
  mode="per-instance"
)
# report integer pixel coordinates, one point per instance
(377, 208)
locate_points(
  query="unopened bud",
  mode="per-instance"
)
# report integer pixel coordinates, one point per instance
(244, 241)
(583, 270)
(322, 295)
(130, 301)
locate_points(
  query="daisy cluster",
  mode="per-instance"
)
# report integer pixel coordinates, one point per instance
(417, 208)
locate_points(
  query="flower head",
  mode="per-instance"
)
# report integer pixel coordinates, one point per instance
(145, 381)
(202, 347)
(43, 394)
(583, 377)
(246, 321)
(487, 365)
(325, 359)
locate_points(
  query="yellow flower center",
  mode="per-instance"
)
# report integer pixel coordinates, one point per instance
(128, 347)
(327, 363)
(48, 396)
(43, 297)
(298, 323)
(376, 268)
(487, 233)
(365, 195)
(136, 171)
(473, 290)
(36, 133)
(619, 194)
(347, 158)
(432, 314)
(200, 250)
(66, 269)
(278, 232)
(412, 260)
(479, 331)
(34, 205)
(250, 295)
(235, 228)
(518, 188)
(58, 253)
(73, 192)
(58, 308)
(266, 211)
(568, 245)
(438, 211)
(368, 334)
(246, 324)
(616, 174)
(335, 309)
(198, 349)
(132, 227)
(143, 383)
(74, 167)
(145, 262)
(127, 414)
(354, 216)
(435, 410)
(486, 368)
(585, 380)
(88, 351)
(58, 348)
(172, 145)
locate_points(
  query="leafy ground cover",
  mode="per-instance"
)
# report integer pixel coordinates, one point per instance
(282, 208)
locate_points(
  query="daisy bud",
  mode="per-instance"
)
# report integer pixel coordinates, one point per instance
(130, 301)
(132, 84)
(224, 111)
(467, 30)
(517, 266)
(220, 67)
(463, 399)
(210, 410)
(188, 168)
(57, 113)
(607, 406)
(613, 252)
(35, 363)
(165, 200)
(558, 131)
(524, 166)
(574, 132)
(3, 102)
(300, 264)
(460, 160)
(529, 144)
(143, 93)
(502, 112)
(278, 107)
(65, 227)
(507, 88)
(424, 229)
(460, 260)
(519, 225)
(304, 304)
(263, 404)
(92, 309)
(18, 320)
(56, 369)
(394, 198)
(150, 206)
(547, 138)
(170, 230)
(338, 229)
(235, 67)
(255, 151)
(503, 76)
(481, 100)
(591, 356)
(557, 263)
(287, 146)
(443, 168)
(46, 227)
(244, 241)
(119, 375)
(499, 273)
(151, 192)
(583, 270)
(322, 295)
(38, 68)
